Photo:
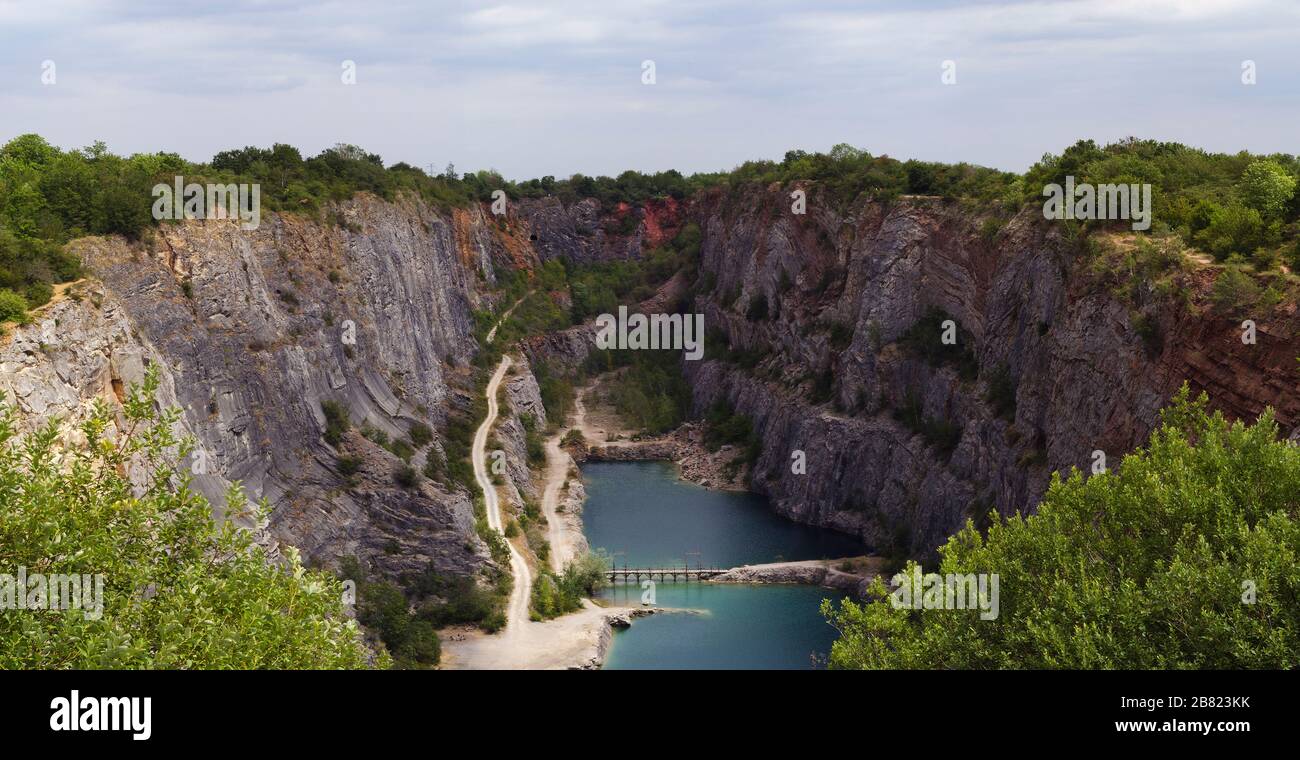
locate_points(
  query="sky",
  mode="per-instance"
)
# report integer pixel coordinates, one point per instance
(535, 87)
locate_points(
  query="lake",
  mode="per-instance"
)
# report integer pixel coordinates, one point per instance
(643, 515)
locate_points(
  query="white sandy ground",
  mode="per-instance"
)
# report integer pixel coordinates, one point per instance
(517, 610)
(609, 427)
(564, 532)
(577, 640)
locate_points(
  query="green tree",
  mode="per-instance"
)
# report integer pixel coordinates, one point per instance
(1234, 290)
(29, 150)
(13, 307)
(180, 590)
(1232, 229)
(556, 595)
(24, 210)
(1267, 188)
(1185, 557)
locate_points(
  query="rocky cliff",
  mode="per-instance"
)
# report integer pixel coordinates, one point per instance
(371, 310)
(816, 319)
(827, 365)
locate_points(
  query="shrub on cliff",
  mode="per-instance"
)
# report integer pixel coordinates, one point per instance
(1185, 557)
(925, 340)
(177, 590)
(1235, 229)
(13, 307)
(1234, 290)
(336, 421)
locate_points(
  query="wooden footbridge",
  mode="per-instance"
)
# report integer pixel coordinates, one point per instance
(636, 574)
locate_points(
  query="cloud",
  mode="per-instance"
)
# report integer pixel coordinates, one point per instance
(555, 87)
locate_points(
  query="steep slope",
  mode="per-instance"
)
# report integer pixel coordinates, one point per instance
(820, 325)
(834, 363)
(255, 329)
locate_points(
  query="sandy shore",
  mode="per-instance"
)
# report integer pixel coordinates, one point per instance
(579, 640)
(849, 574)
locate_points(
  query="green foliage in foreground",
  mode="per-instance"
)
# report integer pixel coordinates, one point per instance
(1147, 567)
(556, 595)
(180, 591)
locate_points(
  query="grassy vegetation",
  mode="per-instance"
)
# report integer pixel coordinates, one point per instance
(718, 346)
(454, 468)
(557, 391)
(458, 600)
(847, 172)
(1225, 204)
(336, 421)
(348, 467)
(649, 392)
(600, 288)
(533, 442)
(419, 435)
(1182, 557)
(1222, 203)
(1002, 392)
(593, 289)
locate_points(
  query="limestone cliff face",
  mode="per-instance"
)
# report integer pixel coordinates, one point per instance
(522, 399)
(579, 231)
(368, 305)
(255, 329)
(1083, 377)
(373, 310)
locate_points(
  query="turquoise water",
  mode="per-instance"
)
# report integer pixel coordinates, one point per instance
(642, 514)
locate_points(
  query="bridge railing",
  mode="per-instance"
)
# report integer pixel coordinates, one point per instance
(662, 572)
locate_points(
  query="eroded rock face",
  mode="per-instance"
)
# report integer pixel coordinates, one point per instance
(580, 231)
(563, 351)
(369, 306)
(73, 352)
(523, 399)
(374, 311)
(255, 329)
(1083, 378)
(81, 350)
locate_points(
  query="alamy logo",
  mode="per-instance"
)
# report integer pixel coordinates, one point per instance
(638, 331)
(55, 591)
(78, 713)
(954, 591)
(1106, 201)
(212, 201)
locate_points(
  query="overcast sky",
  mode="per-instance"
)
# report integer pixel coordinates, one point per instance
(534, 87)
